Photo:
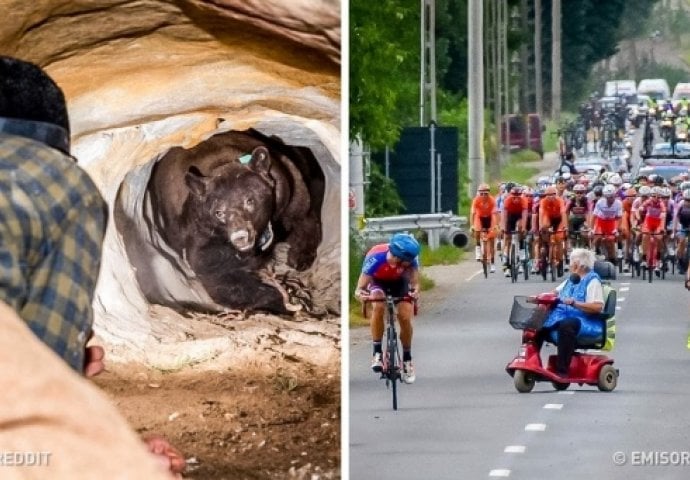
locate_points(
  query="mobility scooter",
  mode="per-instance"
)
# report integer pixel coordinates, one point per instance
(528, 315)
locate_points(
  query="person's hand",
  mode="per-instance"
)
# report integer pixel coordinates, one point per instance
(170, 458)
(362, 294)
(93, 360)
(413, 293)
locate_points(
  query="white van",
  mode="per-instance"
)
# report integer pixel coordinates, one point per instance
(616, 88)
(682, 90)
(657, 88)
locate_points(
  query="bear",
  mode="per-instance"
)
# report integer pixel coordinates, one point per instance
(223, 206)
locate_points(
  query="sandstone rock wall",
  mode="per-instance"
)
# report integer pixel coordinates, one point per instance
(144, 76)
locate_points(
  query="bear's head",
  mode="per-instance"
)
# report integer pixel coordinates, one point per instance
(236, 201)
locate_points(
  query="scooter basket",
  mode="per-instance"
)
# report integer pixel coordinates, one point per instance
(526, 315)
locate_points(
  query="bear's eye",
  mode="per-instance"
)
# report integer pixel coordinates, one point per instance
(220, 215)
(249, 204)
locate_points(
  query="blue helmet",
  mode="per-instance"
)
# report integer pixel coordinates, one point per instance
(404, 246)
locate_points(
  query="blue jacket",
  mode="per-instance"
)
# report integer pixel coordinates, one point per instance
(591, 328)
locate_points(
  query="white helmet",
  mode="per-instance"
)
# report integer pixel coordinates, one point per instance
(609, 190)
(685, 185)
(645, 191)
(616, 180)
(686, 194)
(665, 192)
(656, 191)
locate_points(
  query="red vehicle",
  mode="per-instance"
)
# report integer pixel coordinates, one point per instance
(585, 368)
(525, 132)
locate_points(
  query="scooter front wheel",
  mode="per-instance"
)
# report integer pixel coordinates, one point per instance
(524, 381)
(608, 378)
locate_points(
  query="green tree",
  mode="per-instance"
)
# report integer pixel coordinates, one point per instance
(384, 55)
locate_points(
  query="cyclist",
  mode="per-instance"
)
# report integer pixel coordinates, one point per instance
(552, 215)
(654, 213)
(483, 217)
(606, 218)
(626, 225)
(681, 226)
(513, 218)
(391, 268)
(577, 210)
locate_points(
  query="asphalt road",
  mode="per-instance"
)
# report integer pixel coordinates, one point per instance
(463, 418)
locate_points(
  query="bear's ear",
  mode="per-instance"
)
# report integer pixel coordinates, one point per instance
(261, 160)
(196, 181)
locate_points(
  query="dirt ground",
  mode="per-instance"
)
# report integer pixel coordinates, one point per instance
(238, 424)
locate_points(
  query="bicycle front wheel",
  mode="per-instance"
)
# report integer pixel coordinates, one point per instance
(393, 366)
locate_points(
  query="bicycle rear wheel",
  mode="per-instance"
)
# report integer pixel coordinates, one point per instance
(513, 263)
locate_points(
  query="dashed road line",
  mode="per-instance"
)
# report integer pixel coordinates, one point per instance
(500, 472)
(535, 427)
(468, 279)
(553, 406)
(515, 449)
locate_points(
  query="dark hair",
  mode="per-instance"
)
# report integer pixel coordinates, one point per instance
(28, 93)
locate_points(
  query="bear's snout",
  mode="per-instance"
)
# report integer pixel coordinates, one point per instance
(242, 240)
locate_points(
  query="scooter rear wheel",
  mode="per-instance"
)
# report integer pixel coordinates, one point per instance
(524, 381)
(560, 386)
(608, 378)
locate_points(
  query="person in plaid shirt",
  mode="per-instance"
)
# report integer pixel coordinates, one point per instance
(52, 224)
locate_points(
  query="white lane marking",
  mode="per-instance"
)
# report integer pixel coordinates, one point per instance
(515, 449)
(535, 427)
(500, 472)
(553, 406)
(620, 299)
(619, 308)
(625, 284)
(566, 392)
(624, 289)
(474, 275)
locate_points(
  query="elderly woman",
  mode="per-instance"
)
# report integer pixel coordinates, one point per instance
(576, 316)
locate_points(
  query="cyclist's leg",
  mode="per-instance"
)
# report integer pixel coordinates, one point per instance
(375, 314)
(405, 314)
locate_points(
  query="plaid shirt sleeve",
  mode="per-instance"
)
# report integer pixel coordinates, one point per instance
(52, 223)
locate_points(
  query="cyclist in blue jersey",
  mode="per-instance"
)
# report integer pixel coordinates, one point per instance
(391, 268)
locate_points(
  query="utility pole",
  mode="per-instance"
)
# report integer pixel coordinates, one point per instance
(505, 62)
(539, 92)
(357, 179)
(428, 63)
(556, 60)
(428, 82)
(475, 93)
(524, 92)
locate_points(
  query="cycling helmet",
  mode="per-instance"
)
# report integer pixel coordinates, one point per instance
(665, 192)
(656, 191)
(543, 181)
(685, 185)
(686, 194)
(404, 246)
(598, 190)
(631, 192)
(615, 180)
(516, 190)
(550, 190)
(652, 178)
(609, 191)
(626, 186)
(645, 191)
(484, 187)
(579, 188)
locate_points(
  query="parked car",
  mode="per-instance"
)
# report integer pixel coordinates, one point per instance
(525, 132)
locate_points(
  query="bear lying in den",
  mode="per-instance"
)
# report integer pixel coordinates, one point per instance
(224, 204)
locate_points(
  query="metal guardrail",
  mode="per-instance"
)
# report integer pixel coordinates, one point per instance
(440, 228)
